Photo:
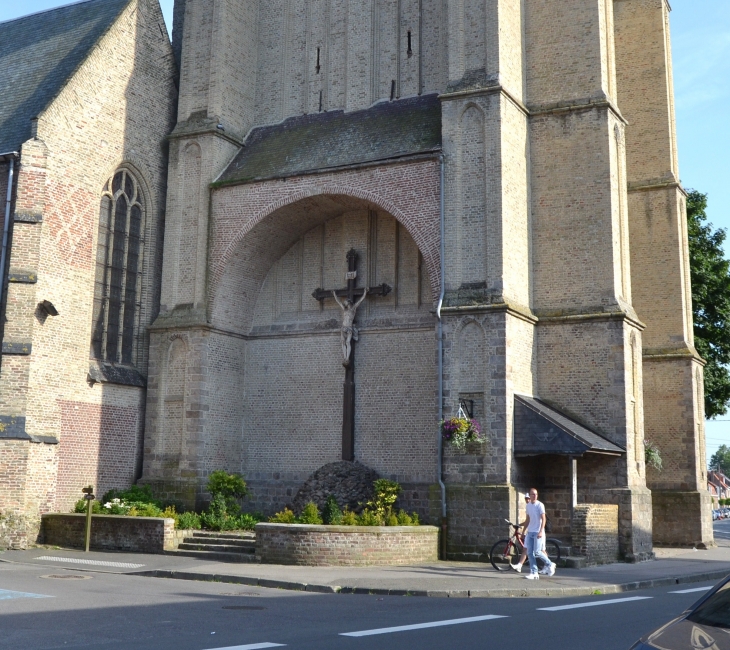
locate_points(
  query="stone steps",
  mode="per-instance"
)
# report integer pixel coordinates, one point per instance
(221, 547)
(192, 544)
(217, 556)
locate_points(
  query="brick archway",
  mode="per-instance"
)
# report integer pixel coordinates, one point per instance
(409, 192)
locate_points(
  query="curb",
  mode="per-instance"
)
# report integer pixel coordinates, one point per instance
(564, 592)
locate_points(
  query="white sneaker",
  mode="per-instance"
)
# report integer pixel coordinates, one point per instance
(544, 571)
(532, 576)
(517, 567)
(551, 570)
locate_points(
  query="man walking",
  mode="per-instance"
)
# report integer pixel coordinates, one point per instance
(535, 537)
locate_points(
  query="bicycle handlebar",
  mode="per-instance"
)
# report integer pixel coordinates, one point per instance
(517, 526)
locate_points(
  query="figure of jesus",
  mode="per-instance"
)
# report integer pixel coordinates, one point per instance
(348, 331)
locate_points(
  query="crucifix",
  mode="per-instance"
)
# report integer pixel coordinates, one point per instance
(353, 297)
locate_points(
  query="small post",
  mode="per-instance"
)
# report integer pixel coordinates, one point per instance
(89, 497)
(573, 483)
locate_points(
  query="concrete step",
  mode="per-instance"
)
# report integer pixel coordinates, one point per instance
(190, 545)
(240, 536)
(575, 562)
(237, 543)
(217, 556)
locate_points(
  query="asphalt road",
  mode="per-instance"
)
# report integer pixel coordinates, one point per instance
(47, 607)
(121, 611)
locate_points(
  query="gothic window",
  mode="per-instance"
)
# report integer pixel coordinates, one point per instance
(118, 270)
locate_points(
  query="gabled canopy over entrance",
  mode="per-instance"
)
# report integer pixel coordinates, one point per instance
(541, 429)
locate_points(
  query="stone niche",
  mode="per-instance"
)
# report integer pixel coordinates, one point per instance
(302, 544)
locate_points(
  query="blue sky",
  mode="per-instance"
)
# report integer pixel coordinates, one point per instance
(701, 54)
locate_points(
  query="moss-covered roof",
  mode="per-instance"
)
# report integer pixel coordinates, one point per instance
(386, 131)
(38, 54)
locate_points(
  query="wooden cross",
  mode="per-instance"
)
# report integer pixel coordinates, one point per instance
(352, 292)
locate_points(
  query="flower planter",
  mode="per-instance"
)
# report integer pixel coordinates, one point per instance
(303, 544)
(112, 532)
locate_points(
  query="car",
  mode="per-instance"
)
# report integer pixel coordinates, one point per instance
(715, 515)
(706, 624)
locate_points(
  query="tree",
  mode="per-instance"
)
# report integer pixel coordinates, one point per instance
(710, 273)
(721, 459)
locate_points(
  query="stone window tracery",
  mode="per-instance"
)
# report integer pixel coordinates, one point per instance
(117, 286)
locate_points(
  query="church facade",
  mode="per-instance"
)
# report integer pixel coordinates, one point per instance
(497, 182)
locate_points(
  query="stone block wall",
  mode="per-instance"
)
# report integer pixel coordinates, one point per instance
(595, 533)
(112, 533)
(475, 518)
(302, 544)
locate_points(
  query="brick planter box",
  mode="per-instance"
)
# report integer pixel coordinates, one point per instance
(113, 532)
(346, 545)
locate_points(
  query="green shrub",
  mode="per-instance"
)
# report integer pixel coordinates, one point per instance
(188, 521)
(133, 494)
(404, 519)
(415, 521)
(369, 518)
(331, 514)
(310, 515)
(248, 520)
(652, 456)
(392, 520)
(386, 494)
(286, 516)
(216, 516)
(349, 518)
(142, 509)
(96, 508)
(231, 486)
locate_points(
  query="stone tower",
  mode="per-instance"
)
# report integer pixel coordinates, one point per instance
(542, 134)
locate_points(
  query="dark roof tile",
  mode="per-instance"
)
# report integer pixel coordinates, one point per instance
(39, 53)
(385, 131)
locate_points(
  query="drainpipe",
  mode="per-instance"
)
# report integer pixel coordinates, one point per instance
(6, 226)
(440, 443)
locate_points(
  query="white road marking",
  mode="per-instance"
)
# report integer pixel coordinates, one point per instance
(75, 560)
(593, 604)
(10, 595)
(691, 591)
(251, 646)
(420, 626)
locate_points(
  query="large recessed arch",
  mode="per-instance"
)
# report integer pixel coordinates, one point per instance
(262, 240)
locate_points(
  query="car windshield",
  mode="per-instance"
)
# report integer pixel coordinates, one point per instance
(715, 611)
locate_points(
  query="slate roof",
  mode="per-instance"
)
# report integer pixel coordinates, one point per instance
(385, 131)
(38, 54)
(541, 429)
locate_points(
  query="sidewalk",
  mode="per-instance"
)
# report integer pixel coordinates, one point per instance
(440, 579)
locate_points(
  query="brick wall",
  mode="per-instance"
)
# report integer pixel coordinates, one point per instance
(595, 533)
(115, 110)
(346, 545)
(101, 446)
(112, 533)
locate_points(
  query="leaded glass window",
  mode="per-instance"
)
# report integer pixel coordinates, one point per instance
(118, 270)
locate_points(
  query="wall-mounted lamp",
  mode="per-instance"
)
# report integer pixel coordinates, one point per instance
(48, 307)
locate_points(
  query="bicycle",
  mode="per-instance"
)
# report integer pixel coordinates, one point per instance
(507, 551)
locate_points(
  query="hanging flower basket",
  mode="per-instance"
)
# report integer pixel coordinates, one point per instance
(460, 430)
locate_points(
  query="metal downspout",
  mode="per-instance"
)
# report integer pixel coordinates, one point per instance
(6, 226)
(441, 364)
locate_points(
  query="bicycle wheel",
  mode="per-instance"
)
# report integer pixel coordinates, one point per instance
(553, 550)
(503, 554)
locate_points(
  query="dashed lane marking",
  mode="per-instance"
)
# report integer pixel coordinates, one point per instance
(593, 604)
(420, 626)
(690, 591)
(11, 595)
(75, 560)
(251, 646)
